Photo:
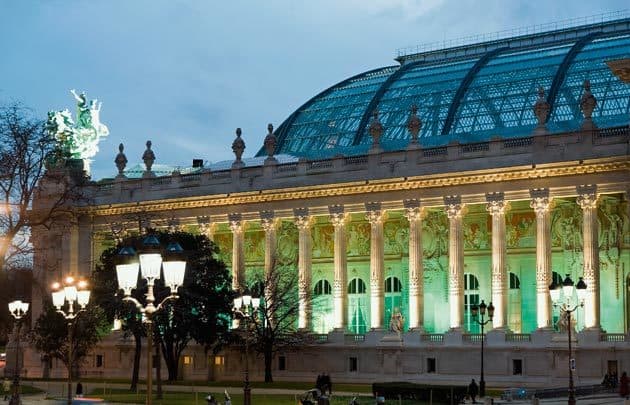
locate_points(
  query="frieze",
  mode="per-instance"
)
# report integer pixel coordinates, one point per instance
(344, 189)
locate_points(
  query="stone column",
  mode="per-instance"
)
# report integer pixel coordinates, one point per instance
(238, 252)
(340, 290)
(587, 199)
(377, 264)
(541, 203)
(305, 251)
(496, 207)
(413, 213)
(238, 257)
(269, 225)
(454, 210)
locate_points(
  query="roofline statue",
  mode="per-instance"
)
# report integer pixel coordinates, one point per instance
(78, 140)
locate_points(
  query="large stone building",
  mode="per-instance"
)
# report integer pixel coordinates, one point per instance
(477, 172)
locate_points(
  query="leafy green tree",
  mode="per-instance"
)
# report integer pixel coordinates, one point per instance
(51, 334)
(202, 312)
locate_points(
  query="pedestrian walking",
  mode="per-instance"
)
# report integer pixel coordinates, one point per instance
(624, 391)
(79, 390)
(473, 390)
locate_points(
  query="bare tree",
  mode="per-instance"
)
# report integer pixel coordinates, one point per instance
(27, 150)
(275, 328)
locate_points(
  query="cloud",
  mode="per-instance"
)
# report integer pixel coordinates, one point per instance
(406, 9)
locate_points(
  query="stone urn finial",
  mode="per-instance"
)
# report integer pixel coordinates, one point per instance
(541, 111)
(270, 144)
(148, 157)
(121, 161)
(587, 105)
(414, 125)
(238, 147)
(376, 130)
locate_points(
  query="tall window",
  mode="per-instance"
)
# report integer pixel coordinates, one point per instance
(357, 303)
(322, 307)
(471, 297)
(514, 304)
(393, 298)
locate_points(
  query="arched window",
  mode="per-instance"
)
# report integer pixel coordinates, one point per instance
(514, 304)
(471, 297)
(357, 306)
(393, 285)
(322, 307)
(356, 286)
(322, 288)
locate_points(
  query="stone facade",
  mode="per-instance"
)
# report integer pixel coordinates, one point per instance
(424, 231)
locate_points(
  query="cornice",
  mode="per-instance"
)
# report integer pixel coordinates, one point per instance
(368, 186)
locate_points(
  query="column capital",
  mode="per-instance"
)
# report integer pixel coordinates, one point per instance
(454, 207)
(373, 214)
(496, 204)
(413, 210)
(541, 203)
(268, 220)
(587, 196)
(337, 215)
(302, 220)
(236, 222)
(205, 225)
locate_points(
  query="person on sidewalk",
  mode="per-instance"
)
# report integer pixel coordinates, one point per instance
(6, 387)
(624, 391)
(79, 391)
(473, 390)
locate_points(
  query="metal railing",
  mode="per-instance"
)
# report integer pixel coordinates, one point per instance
(432, 337)
(514, 32)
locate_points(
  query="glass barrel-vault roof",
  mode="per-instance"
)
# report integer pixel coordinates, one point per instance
(331, 119)
(501, 97)
(431, 88)
(465, 98)
(613, 96)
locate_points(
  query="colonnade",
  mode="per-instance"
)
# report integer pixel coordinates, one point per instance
(497, 206)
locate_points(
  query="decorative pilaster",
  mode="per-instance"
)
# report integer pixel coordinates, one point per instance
(587, 200)
(377, 263)
(238, 252)
(541, 203)
(340, 294)
(269, 224)
(413, 213)
(454, 211)
(305, 251)
(496, 207)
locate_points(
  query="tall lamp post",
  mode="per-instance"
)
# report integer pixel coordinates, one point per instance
(149, 264)
(476, 311)
(567, 307)
(71, 292)
(246, 308)
(18, 309)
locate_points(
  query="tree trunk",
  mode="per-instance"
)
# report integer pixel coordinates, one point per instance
(171, 360)
(268, 362)
(136, 362)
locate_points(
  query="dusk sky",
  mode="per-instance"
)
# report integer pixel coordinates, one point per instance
(185, 74)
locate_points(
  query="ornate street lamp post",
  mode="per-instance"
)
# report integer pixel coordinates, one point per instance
(246, 308)
(18, 309)
(476, 311)
(565, 309)
(149, 265)
(71, 292)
